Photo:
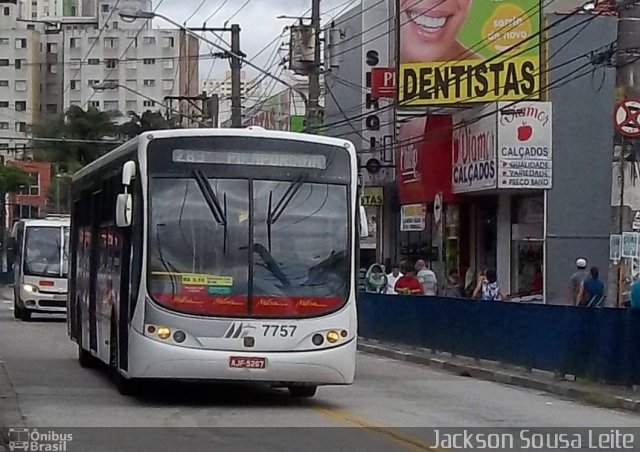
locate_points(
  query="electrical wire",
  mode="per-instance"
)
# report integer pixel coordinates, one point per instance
(216, 11)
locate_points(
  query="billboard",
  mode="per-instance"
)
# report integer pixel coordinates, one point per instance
(464, 51)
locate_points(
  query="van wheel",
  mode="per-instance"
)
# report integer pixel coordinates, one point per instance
(17, 310)
(25, 315)
(126, 386)
(302, 391)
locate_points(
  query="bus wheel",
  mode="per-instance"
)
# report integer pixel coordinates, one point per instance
(125, 386)
(302, 391)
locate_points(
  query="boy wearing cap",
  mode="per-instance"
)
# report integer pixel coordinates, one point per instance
(576, 280)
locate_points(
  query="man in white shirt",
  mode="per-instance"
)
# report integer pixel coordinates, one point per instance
(427, 278)
(392, 278)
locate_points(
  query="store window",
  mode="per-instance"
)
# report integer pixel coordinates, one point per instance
(527, 245)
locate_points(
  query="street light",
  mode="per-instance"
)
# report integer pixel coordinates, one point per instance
(147, 15)
(105, 86)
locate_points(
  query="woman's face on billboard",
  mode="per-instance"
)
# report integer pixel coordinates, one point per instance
(429, 29)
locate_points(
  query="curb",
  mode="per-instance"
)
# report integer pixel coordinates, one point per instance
(592, 397)
(10, 415)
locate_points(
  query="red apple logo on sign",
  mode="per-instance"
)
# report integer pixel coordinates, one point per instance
(525, 132)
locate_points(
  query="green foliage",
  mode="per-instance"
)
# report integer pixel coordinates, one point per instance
(13, 179)
(59, 194)
(149, 120)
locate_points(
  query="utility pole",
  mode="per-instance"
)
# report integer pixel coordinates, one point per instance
(628, 87)
(313, 105)
(236, 79)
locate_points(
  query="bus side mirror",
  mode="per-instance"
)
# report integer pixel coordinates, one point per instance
(364, 226)
(124, 209)
(128, 172)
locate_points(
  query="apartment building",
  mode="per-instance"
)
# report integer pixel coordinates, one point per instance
(251, 91)
(148, 66)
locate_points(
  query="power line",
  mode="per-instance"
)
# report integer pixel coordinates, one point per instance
(216, 11)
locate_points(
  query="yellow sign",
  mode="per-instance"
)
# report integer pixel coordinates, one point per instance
(372, 196)
(469, 51)
(206, 280)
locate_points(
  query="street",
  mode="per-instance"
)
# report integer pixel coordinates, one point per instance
(53, 391)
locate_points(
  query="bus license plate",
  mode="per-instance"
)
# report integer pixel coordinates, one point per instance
(249, 363)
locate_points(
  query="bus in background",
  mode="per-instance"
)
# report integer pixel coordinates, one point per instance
(218, 254)
(40, 249)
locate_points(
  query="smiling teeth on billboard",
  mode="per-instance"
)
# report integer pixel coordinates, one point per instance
(451, 51)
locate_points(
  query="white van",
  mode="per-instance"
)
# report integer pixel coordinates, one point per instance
(40, 265)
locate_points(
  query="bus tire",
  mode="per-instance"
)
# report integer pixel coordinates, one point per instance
(126, 386)
(84, 357)
(302, 391)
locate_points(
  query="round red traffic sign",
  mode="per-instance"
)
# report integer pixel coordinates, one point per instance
(627, 118)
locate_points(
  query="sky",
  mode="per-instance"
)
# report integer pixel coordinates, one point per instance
(257, 21)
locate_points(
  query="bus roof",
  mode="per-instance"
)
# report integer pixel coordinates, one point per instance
(252, 131)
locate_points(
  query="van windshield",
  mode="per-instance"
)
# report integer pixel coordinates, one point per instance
(43, 248)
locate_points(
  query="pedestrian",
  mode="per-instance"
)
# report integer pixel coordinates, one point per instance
(453, 287)
(591, 293)
(427, 278)
(576, 280)
(375, 280)
(537, 281)
(488, 288)
(392, 279)
(409, 284)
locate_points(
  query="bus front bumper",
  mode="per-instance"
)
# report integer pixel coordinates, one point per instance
(44, 302)
(149, 358)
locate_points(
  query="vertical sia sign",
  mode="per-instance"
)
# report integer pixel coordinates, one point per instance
(377, 114)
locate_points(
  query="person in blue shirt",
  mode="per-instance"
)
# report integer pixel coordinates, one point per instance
(592, 291)
(635, 293)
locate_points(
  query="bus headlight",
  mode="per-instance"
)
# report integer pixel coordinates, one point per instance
(164, 332)
(333, 337)
(29, 288)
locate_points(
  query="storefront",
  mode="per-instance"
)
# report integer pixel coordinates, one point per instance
(501, 167)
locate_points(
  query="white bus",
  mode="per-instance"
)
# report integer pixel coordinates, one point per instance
(218, 254)
(40, 249)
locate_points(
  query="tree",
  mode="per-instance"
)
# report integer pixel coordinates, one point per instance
(13, 179)
(76, 124)
(149, 120)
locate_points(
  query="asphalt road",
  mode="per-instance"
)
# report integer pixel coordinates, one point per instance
(389, 406)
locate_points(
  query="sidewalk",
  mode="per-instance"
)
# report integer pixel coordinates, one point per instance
(601, 395)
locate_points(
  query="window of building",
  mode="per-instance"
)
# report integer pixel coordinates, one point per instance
(21, 43)
(25, 211)
(21, 85)
(148, 40)
(7, 11)
(149, 61)
(4, 62)
(18, 64)
(33, 15)
(74, 43)
(93, 82)
(111, 105)
(74, 11)
(110, 43)
(167, 64)
(167, 85)
(4, 125)
(75, 63)
(4, 104)
(52, 47)
(34, 185)
(149, 82)
(21, 105)
(94, 61)
(4, 83)
(131, 83)
(92, 41)
(4, 41)
(94, 103)
(21, 126)
(168, 42)
(115, 25)
(52, 109)
(52, 68)
(104, 8)
(132, 105)
(148, 103)
(111, 63)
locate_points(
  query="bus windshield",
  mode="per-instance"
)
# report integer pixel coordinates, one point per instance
(271, 251)
(46, 251)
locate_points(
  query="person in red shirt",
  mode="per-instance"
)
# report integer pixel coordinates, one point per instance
(536, 283)
(409, 283)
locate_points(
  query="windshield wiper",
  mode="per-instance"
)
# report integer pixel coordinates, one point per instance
(274, 214)
(219, 214)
